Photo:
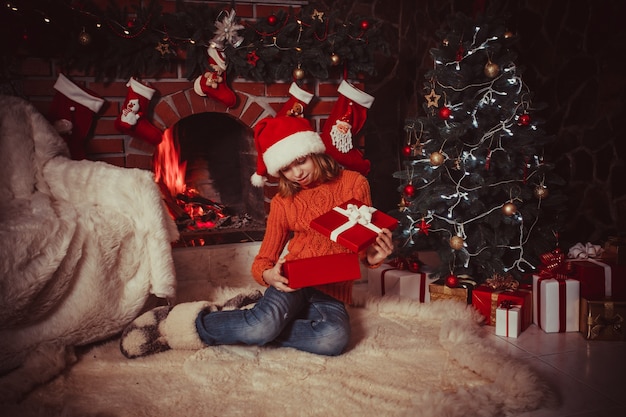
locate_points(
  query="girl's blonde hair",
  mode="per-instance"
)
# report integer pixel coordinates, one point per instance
(325, 169)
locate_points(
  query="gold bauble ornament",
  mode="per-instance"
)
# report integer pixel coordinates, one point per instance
(508, 34)
(335, 59)
(84, 38)
(509, 209)
(298, 73)
(436, 159)
(541, 191)
(457, 242)
(492, 70)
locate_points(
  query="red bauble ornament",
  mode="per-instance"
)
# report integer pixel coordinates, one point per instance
(524, 119)
(452, 281)
(365, 24)
(445, 112)
(409, 190)
(414, 265)
(406, 151)
(271, 19)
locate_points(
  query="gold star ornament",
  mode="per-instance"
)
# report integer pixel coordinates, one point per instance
(432, 98)
(318, 15)
(163, 47)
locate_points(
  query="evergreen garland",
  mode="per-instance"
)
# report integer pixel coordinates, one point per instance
(118, 42)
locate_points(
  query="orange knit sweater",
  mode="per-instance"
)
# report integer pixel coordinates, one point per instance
(294, 214)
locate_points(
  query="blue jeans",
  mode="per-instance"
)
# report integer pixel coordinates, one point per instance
(306, 319)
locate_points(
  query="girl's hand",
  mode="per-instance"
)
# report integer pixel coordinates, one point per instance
(378, 251)
(273, 277)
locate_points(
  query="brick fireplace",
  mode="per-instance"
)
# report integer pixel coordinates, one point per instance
(208, 116)
(174, 100)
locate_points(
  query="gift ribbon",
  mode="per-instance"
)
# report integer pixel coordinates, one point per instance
(356, 215)
(580, 251)
(503, 283)
(382, 279)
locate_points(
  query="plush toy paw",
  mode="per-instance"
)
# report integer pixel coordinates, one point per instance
(142, 337)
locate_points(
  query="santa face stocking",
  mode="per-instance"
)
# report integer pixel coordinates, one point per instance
(72, 113)
(132, 118)
(213, 83)
(344, 124)
(298, 100)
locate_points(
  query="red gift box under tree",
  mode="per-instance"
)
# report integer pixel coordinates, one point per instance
(488, 297)
(600, 279)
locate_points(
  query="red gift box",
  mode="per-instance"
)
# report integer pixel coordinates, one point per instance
(487, 300)
(353, 224)
(600, 279)
(322, 270)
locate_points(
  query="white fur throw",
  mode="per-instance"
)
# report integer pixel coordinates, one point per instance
(82, 245)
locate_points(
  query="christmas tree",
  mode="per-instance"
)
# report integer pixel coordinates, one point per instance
(474, 183)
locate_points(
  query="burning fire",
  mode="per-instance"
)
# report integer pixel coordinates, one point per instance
(167, 165)
(187, 206)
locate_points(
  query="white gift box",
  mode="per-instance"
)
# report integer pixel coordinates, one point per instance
(556, 304)
(387, 280)
(508, 321)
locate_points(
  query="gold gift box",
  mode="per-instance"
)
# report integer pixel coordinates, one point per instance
(440, 291)
(602, 320)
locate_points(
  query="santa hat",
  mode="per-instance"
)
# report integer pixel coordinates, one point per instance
(281, 140)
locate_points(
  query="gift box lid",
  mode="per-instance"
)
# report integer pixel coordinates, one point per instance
(358, 235)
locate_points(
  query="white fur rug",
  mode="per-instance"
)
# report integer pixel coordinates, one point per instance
(406, 359)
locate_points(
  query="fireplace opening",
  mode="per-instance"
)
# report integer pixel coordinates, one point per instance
(204, 163)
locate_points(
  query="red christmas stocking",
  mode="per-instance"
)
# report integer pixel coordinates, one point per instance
(72, 112)
(213, 83)
(132, 118)
(298, 100)
(344, 123)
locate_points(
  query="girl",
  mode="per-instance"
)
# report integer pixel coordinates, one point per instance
(313, 319)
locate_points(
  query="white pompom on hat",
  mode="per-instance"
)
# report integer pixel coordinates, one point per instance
(281, 140)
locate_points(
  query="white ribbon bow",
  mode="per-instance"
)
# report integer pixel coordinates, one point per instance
(580, 251)
(356, 215)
